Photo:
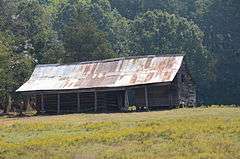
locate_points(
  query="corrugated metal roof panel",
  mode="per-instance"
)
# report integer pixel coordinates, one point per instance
(104, 74)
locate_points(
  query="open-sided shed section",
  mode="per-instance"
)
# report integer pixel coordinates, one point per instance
(111, 85)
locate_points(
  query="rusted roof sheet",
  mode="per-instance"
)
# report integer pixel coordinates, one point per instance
(110, 73)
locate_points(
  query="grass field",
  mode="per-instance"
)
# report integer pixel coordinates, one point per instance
(182, 133)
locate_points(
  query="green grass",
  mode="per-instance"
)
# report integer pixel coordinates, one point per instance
(183, 133)
(3, 117)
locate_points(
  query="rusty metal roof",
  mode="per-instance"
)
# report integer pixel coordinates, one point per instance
(121, 72)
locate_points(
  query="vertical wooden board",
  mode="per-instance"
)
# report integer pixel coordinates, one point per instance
(51, 103)
(140, 97)
(95, 101)
(126, 100)
(87, 103)
(38, 103)
(158, 96)
(69, 102)
(58, 104)
(146, 96)
(78, 102)
(42, 103)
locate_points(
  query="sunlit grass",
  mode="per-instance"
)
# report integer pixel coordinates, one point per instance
(182, 133)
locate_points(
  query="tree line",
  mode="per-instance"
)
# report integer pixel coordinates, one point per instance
(64, 31)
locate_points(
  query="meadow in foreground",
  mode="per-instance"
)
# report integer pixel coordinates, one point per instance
(181, 133)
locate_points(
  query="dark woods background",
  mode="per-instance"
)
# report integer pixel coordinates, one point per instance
(64, 31)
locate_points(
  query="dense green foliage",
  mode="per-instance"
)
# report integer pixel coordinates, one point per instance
(157, 32)
(219, 21)
(182, 133)
(51, 31)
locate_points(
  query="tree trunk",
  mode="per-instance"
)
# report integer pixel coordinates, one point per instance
(8, 104)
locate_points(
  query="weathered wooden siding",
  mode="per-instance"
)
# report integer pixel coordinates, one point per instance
(181, 92)
(186, 88)
(38, 103)
(139, 97)
(112, 101)
(87, 102)
(51, 103)
(68, 102)
(159, 97)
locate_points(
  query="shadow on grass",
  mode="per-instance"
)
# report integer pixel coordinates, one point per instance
(104, 112)
(39, 114)
(17, 114)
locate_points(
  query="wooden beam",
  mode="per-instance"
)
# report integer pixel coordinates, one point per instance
(126, 101)
(170, 96)
(78, 102)
(170, 99)
(146, 97)
(42, 104)
(58, 104)
(179, 87)
(95, 101)
(28, 103)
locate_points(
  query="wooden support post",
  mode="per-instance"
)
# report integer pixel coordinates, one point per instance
(170, 100)
(146, 97)
(58, 104)
(179, 83)
(95, 101)
(42, 104)
(78, 102)
(170, 96)
(28, 103)
(126, 101)
(21, 108)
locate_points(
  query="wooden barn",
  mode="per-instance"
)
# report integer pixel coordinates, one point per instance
(113, 85)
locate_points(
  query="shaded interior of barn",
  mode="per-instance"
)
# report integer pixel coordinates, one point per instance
(143, 98)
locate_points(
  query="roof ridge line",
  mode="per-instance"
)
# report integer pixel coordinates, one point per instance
(113, 59)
